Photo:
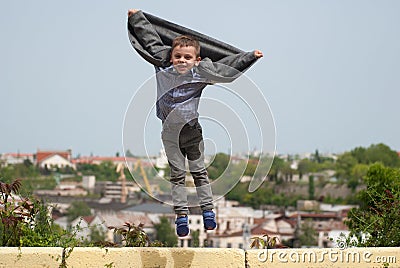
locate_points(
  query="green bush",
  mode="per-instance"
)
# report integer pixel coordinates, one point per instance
(27, 222)
(376, 222)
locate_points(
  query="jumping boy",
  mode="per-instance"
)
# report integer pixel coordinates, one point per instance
(181, 76)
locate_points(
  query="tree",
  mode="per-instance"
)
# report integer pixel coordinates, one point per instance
(276, 169)
(317, 158)
(306, 166)
(265, 195)
(195, 238)
(344, 165)
(287, 171)
(104, 171)
(218, 166)
(165, 233)
(375, 153)
(356, 176)
(376, 222)
(311, 187)
(97, 234)
(78, 209)
(308, 235)
(383, 154)
(251, 167)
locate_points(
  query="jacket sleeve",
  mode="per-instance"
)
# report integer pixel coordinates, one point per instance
(241, 61)
(146, 41)
(228, 68)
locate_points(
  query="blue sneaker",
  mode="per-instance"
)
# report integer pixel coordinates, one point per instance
(209, 220)
(182, 226)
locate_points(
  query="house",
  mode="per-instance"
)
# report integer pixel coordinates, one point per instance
(104, 222)
(119, 219)
(52, 159)
(236, 225)
(328, 224)
(87, 224)
(273, 225)
(229, 219)
(16, 158)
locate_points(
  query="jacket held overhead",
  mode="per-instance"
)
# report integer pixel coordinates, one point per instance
(152, 38)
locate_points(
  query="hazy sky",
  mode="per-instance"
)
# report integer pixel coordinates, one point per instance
(331, 71)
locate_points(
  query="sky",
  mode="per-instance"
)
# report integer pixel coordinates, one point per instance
(330, 74)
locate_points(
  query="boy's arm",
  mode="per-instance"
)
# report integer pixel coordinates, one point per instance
(146, 40)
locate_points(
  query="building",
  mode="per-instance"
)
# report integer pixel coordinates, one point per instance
(87, 224)
(54, 159)
(16, 158)
(114, 190)
(236, 225)
(113, 219)
(89, 182)
(273, 225)
(65, 189)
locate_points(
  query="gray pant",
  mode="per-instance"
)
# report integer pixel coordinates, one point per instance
(183, 141)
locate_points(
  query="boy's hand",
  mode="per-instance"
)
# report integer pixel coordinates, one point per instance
(132, 11)
(258, 54)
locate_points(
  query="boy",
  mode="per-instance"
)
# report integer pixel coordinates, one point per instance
(181, 76)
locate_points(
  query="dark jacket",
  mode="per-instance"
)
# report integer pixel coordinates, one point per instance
(152, 38)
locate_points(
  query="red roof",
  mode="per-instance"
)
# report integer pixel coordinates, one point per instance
(18, 155)
(42, 155)
(88, 219)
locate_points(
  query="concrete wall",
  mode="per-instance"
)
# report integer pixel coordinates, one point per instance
(30, 257)
(200, 257)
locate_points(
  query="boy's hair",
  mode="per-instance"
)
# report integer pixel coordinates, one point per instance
(187, 41)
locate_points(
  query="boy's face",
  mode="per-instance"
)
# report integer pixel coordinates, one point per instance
(183, 58)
